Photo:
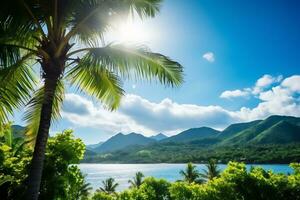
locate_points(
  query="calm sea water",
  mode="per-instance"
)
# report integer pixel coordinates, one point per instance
(96, 173)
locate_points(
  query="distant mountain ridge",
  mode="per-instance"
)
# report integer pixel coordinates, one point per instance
(158, 137)
(235, 128)
(93, 146)
(120, 141)
(275, 139)
(192, 134)
(285, 128)
(273, 130)
(18, 131)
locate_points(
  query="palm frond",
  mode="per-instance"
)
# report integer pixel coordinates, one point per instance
(20, 14)
(90, 21)
(144, 8)
(137, 61)
(33, 110)
(17, 82)
(96, 81)
(96, 16)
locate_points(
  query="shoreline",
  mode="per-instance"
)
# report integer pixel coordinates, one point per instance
(116, 163)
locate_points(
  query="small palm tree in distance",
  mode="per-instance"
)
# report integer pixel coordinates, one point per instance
(190, 174)
(211, 170)
(109, 186)
(137, 180)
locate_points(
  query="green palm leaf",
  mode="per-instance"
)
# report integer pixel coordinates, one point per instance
(137, 61)
(144, 8)
(98, 82)
(16, 85)
(96, 17)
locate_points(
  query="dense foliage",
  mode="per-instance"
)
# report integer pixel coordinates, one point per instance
(14, 162)
(198, 153)
(235, 183)
(61, 179)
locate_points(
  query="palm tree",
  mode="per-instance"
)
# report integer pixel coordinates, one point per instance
(137, 180)
(190, 174)
(44, 36)
(109, 186)
(84, 191)
(211, 170)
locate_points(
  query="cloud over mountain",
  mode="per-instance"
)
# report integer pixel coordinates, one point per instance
(137, 114)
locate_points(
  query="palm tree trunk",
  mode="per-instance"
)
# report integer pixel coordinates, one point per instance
(35, 174)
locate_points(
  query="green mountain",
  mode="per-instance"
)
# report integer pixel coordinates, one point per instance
(158, 137)
(18, 131)
(273, 140)
(281, 133)
(121, 141)
(192, 134)
(233, 129)
(93, 146)
(89, 153)
(259, 131)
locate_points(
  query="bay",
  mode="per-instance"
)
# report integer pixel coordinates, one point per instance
(96, 173)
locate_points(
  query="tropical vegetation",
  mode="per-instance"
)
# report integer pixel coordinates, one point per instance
(198, 153)
(64, 41)
(62, 178)
(234, 183)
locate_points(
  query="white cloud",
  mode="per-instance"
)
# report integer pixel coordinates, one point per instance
(75, 103)
(137, 114)
(167, 116)
(293, 83)
(209, 56)
(265, 82)
(98, 116)
(229, 94)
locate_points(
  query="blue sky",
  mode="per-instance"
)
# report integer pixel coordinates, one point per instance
(248, 48)
(248, 38)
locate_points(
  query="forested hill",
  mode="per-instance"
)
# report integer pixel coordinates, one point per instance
(193, 134)
(121, 141)
(266, 140)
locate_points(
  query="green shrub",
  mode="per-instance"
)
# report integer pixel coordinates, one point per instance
(102, 196)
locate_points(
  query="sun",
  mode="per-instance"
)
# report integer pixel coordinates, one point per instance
(132, 31)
